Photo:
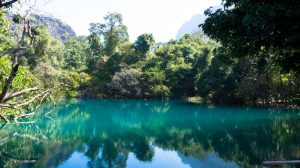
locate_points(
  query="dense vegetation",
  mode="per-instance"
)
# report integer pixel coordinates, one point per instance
(254, 60)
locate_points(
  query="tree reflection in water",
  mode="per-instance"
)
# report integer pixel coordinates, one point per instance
(108, 131)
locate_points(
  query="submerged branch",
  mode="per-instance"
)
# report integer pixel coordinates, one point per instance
(5, 155)
(43, 95)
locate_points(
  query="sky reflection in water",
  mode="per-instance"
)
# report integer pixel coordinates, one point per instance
(150, 134)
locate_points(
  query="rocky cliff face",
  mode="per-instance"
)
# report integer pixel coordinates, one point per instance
(192, 26)
(57, 28)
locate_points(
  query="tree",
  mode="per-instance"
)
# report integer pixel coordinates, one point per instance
(26, 97)
(127, 83)
(144, 44)
(113, 31)
(259, 29)
(95, 50)
(44, 49)
(76, 53)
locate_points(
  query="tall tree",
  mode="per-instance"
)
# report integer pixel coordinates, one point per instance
(144, 44)
(113, 31)
(258, 28)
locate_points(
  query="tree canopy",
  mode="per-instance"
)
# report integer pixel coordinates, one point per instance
(262, 29)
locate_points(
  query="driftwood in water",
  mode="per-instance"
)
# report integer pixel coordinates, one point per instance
(280, 163)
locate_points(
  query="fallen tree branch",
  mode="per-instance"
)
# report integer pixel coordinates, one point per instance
(28, 136)
(5, 155)
(8, 106)
(13, 95)
(33, 99)
(49, 112)
(43, 95)
(4, 118)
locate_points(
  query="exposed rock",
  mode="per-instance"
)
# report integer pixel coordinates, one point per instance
(57, 28)
(192, 26)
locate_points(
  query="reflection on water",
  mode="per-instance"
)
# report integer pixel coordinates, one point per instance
(136, 133)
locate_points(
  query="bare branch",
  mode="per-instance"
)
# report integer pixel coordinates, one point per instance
(13, 95)
(5, 4)
(4, 118)
(8, 106)
(49, 112)
(33, 99)
(5, 155)
(43, 95)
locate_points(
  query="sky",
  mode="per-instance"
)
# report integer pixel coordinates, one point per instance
(162, 18)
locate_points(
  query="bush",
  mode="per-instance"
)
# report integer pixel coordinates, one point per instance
(126, 83)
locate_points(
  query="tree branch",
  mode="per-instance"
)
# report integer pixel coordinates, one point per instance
(44, 94)
(12, 76)
(33, 99)
(13, 95)
(12, 50)
(4, 118)
(5, 4)
(2, 154)
(8, 106)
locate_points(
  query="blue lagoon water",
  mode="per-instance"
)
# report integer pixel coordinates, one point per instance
(150, 134)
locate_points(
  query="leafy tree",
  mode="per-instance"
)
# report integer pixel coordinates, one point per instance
(45, 49)
(5, 42)
(14, 97)
(263, 29)
(126, 83)
(113, 32)
(95, 50)
(144, 44)
(75, 53)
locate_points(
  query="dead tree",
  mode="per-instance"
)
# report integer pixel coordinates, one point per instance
(15, 52)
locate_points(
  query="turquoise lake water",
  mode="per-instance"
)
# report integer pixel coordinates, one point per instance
(150, 134)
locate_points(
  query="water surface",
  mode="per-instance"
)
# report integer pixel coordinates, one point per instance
(150, 134)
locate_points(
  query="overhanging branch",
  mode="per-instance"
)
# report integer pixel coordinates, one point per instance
(13, 95)
(5, 4)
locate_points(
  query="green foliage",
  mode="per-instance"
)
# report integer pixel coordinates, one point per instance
(253, 28)
(45, 49)
(23, 80)
(241, 69)
(5, 42)
(144, 44)
(113, 31)
(73, 82)
(75, 54)
(95, 50)
(126, 83)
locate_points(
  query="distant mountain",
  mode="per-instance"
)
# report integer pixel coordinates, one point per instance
(192, 26)
(57, 28)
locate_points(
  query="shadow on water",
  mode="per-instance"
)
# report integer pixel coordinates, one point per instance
(136, 133)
